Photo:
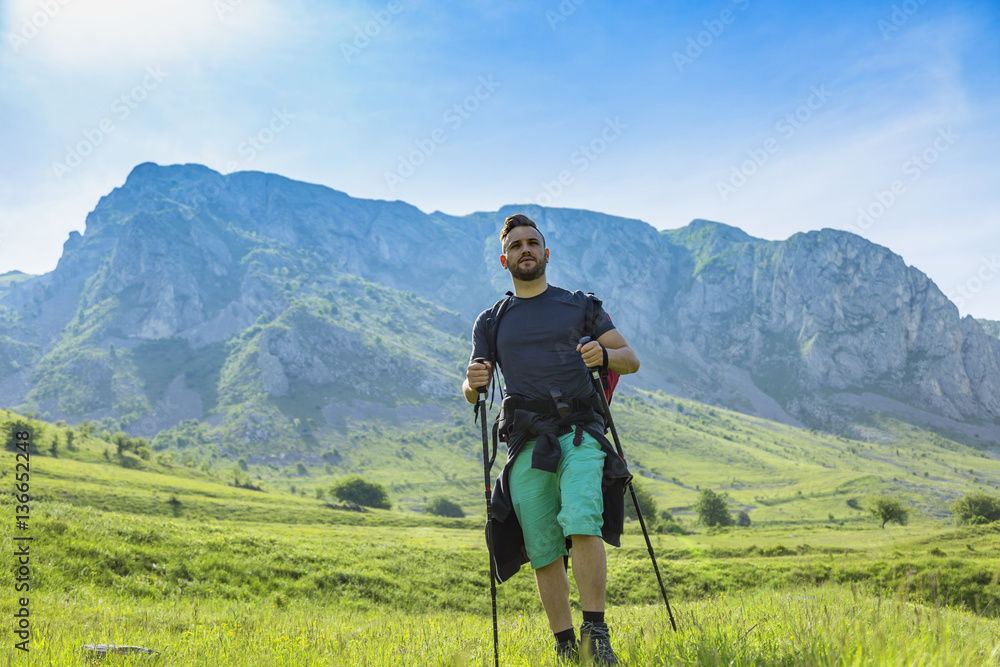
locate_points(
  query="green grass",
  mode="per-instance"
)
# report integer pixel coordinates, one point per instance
(397, 589)
(825, 625)
(386, 558)
(353, 558)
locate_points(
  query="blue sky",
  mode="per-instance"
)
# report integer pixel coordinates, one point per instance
(776, 117)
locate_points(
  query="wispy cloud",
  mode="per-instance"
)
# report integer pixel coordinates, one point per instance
(106, 36)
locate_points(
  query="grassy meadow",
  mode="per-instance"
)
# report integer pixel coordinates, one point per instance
(162, 550)
(828, 625)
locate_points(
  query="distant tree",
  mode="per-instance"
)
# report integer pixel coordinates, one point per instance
(976, 508)
(70, 437)
(10, 429)
(355, 489)
(888, 508)
(121, 442)
(646, 503)
(743, 519)
(441, 506)
(712, 509)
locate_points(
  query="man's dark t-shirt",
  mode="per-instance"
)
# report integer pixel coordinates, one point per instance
(536, 343)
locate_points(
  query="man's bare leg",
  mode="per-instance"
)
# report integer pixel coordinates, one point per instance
(590, 570)
(553, 589)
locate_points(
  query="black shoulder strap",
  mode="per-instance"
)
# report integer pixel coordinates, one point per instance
(590, 315)
(492, 327)
(493, 323)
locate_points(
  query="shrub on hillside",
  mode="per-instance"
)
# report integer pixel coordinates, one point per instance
(355, 489)
(441, 506)
(712, 509)
(646, 503)
(743, 519)
(669, 527)
(888, 508)
(976, 508)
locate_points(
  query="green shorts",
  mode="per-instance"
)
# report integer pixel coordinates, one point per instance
(551, 506)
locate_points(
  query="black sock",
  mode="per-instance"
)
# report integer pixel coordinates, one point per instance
(566, 636)
(593, 616)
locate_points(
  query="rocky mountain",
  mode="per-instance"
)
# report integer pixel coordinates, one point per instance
(271, 311)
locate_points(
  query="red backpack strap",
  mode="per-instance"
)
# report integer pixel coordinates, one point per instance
(609, 378)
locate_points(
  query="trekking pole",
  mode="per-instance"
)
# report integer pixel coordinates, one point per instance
(599, 386)
(481, 408)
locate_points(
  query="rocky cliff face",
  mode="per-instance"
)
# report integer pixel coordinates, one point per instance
(192, 294)
(827, 312)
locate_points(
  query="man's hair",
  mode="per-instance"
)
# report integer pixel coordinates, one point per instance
(519, 220)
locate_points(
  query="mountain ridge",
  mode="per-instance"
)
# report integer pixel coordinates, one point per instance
(241, 267)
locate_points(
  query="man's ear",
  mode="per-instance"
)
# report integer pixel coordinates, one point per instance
(503, 261)
(546, 254)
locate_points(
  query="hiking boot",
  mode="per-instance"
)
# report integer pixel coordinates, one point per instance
(567, 652)
(596, 640)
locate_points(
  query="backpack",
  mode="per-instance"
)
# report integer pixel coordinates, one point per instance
(609, 378)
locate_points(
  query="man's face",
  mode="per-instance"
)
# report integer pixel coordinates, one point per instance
(524, 255)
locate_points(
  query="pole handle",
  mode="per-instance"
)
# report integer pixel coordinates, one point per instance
(485, 388)
(593, 371)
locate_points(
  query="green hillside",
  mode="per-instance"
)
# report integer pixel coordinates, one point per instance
(779, 474)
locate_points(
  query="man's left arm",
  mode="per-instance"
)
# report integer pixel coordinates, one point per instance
(621, 357)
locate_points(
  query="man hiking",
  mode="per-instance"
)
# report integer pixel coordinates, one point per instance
(563, 479)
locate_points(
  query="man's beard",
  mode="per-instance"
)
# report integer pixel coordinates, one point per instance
(527, 275)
